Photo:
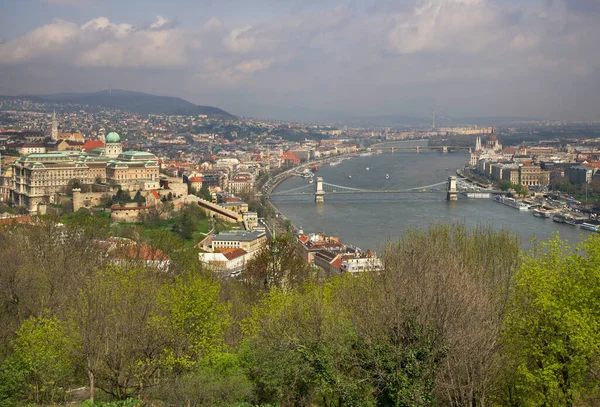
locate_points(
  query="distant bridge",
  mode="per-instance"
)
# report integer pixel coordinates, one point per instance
(451, 188)
(443, 149)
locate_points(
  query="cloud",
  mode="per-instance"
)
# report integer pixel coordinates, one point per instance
(372, 56)
(40, 42)
(123, 45)
(65, 2)
(445, 26)
(240, 41)
(101, 43)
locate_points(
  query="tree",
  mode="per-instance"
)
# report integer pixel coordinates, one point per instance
(114, 315)
(278, 265)
(194, 321)
(44, 347)
(453, 279)
(505, 185)
(205, 194)
(553, 329)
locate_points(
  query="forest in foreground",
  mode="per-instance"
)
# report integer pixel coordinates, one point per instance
(457, 317)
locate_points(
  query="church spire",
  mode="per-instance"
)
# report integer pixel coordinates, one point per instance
(54, 131)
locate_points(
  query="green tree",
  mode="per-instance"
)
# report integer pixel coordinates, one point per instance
(278, 265)
(505, 185)
(45, 347)
(553, 329)
(193, 319)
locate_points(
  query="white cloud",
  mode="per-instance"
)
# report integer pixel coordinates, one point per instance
(127, 46)
(212, 24)
(38, 43)
(463, 26)
(240, 41)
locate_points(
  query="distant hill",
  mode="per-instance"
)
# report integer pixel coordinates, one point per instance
(134, 102)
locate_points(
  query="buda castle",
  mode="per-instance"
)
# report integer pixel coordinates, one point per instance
(38, 177)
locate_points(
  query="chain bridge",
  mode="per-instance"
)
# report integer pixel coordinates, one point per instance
(451, 188)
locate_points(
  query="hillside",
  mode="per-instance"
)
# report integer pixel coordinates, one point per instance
(134, 102)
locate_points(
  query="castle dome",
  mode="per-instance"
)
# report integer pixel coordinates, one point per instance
(113, 137)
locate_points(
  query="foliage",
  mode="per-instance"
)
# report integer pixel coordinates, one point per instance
(193, 321)
(44, 347)
(13, 381)
(189, 220)
(553, 329)
(278, 265)
(456, 317)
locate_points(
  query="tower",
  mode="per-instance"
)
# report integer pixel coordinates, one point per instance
(319, 193)
(113, 147)
(54, 131)
(478, 143)
(452, 194)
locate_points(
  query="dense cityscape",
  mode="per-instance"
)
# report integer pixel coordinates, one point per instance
(129, 181)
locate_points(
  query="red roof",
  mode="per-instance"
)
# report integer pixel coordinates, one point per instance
(303, 238)
(288, 155)
(195, 179)
(155, 194)
(18, 219)
(140, 252)
(234, 254)
(337, 262)
(91, 144)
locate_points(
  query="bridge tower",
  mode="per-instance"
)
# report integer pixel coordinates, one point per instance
(417, 149)
(452, 194)
(445, 149)
(319, 193)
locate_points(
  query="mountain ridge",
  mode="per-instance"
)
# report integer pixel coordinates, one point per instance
(134, 102)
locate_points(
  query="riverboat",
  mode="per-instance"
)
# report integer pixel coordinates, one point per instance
(560, 218)
(387, 176)
(589, 226)
(541, 213)
(513, 203)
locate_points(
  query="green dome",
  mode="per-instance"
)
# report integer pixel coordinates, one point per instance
(113, 138)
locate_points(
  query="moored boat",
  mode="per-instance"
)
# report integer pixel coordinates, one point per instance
(542, 213)
(560, 218)
(589, 226)
(513, 203)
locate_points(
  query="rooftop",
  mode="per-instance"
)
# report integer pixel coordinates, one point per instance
(238, 235)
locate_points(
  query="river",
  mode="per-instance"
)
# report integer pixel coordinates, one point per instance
(368, 221)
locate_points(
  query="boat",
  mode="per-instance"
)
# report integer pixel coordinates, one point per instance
(589, 226)
(560, 218)
(571, 222)
(367, 168)
(387, 176)
(541, 213)
(349, 176)
(334, 163)
(513, 203)
(366, 154)
(310, 181)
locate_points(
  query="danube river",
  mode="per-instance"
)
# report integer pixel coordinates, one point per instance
(367, 221)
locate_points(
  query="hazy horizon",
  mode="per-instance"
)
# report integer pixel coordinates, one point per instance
(463, 58)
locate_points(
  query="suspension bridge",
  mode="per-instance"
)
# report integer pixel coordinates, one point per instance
(451, 188)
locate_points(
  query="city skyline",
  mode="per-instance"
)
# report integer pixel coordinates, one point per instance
(466, 58)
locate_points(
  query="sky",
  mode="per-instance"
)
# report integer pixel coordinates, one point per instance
(274, 58)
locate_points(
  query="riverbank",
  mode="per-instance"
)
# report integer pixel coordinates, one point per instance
(367, 222)
(280, 223)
